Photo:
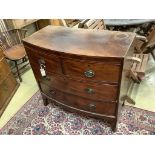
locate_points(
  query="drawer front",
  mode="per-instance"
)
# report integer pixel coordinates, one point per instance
(50, 63)
(90, 90)
(79, 102)
(4, 69)
(92, 71)
(6, 88)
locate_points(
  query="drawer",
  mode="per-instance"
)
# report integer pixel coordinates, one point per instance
(94, 91)
(79, 102)
(4, 69)
(50, 62)
(6, 89)
(96, 71)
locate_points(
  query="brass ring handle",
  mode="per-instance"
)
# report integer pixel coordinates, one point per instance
(89, 73)
(89, 90)
(92, 106)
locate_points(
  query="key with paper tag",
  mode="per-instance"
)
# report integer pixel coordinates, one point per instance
(42, 71)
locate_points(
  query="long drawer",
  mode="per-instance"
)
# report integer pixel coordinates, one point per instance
(96, 71)
(90, 90)
(79, 102)
(6, 88)
(4, 69)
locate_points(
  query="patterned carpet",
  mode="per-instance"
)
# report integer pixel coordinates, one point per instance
(36, 119)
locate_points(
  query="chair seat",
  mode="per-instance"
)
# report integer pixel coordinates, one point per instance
(16, 52)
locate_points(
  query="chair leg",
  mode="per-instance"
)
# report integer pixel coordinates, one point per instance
(19, 76)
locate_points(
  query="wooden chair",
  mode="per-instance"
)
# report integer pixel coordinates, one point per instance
(146, 44)
(138, 69)
(11, 45)
(150, 44)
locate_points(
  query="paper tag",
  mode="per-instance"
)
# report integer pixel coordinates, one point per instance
(42, 71)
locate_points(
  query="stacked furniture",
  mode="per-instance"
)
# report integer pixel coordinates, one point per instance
(147, 44)
(8, 84)
(144, 46)
(84, 71)
(97, 24)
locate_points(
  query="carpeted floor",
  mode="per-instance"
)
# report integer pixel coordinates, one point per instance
(36, 119)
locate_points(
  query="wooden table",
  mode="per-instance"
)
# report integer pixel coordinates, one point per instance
(127, 22)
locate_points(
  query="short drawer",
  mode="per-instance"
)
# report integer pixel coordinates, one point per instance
(50, 62)
(4, 69)
(97, 71)
(79, 102)
(6, 88)
(90, 90)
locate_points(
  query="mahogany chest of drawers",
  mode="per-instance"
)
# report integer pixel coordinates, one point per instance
(84, 71)
(8, 83)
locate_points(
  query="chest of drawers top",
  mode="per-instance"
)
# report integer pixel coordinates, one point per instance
(74, 41)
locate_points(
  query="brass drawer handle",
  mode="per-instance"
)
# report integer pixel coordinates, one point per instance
(92, 106)
(89, 90)
(89, 73)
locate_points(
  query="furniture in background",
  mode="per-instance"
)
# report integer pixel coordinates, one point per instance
(22, 23)
(147, 44)
(45, 22)
(31, 25)
(8, 84)
(143, 47)
(72, 22)
(36, 24)
(87, 73)
(127, 22)
(57, 22)
(140, 26)
(97, 24)
(12, 47)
